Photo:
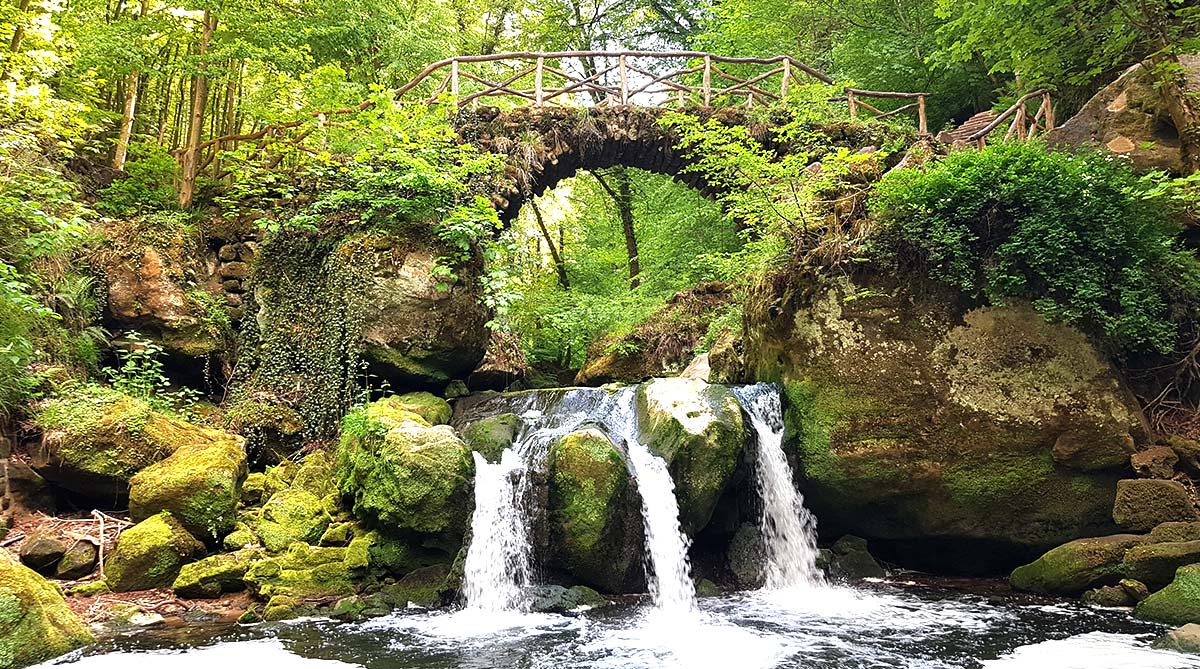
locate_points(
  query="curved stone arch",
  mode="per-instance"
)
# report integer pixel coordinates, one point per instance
(545, 146)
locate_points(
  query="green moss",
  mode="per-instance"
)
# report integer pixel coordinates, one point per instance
(272, 429)
(1076, 566)
(214, 575)
(241, 537)
(35, 623)
(91, 589)
(420, 586)
(587, 477)
(1176, 604)
(408, 477)
(150, 554)
(289, 516)
(337, 534)
(490, 436)
(96, 439)
(302, 572)
(435, 410)
(254, 488)
(200, 484)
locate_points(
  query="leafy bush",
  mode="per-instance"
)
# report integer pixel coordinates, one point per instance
(1076, 235)
(141, 375)
(148, 184)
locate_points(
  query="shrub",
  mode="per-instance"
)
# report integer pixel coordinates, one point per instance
(1073, 234)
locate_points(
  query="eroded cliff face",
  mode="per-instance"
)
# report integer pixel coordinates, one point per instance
(936, 430)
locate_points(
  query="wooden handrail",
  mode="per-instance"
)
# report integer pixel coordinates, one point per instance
(980, 136)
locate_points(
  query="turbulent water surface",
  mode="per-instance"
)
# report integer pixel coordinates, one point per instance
(882, 626)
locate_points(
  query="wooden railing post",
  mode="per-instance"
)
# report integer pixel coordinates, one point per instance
(624, 80)
(538, 95)
(454, 79)
(680, 97)
(1049, 110)
(922, 123)
(853, 106)
(787, 74)
(707, 80)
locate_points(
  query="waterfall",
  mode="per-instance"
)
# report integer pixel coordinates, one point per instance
(789, 530)
(499, 566)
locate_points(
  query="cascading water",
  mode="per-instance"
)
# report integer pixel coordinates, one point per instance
(788, 528)
(499, 566)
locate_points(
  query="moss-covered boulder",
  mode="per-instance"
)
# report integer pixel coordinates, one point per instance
(35, 623)
(405, 475)
(490, 436)
(150, 554)
(305, 573)
(1076, 566)
(289, 516)
(1155, 564)
(929, 428)
(94, 441)
(415, 331)
(1176, 604)
(200, 484)
(41, 551)
(421, 587)
(213, 575)
(594, 511)
(697, 429)
(272, 428)
(1143, 504)
(78, 561)
(435, 410)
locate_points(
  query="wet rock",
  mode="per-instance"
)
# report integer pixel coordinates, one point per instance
(1109, 595)
(150, 554)
(254, 488)
(42, 551)
(241, 537)
(706, 588)
(1176, 531)
(851, 560)
(594, 513)
(1176, 604)
(1184, 639)
(1154, 463)
(954, 417)
(200, 484)
(1188, 451)
(1142, 504)
(1136, 590)
(557, 599)
(1155, 564)
(78, 562)
(1076, 566)
(490, 436)
(404, 475)
(745, 557)
(421, 587)
(302, 573)
(35, 623)
(697, 429)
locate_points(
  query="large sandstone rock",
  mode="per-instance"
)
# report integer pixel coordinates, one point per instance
(210, 577)
(93, 443)
(156, 279)
(1142, 504)
(915, 422)
(200, 484)
(150, 554)
(697, 429)
(595, 515)
(1155, 564)
(35, 623)
(1129, 118)
(1076, 566)
(413, 332)
(404, 475)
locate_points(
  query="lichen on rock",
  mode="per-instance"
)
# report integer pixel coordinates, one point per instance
(150, 554)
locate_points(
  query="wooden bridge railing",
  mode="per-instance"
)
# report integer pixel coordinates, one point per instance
(1023, 125)
(649, 78)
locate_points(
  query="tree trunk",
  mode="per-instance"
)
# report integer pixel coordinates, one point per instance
(18, 34)
(190, 165)
(130, 106)
(623, 198)
(555, 255)
(1182, 108)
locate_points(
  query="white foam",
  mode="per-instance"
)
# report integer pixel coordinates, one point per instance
(258, 653)
(1094, 650)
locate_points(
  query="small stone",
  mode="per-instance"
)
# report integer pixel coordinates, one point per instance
(1135, 589)
(254, 488)
(1110, 596)
(78, 562)
(706, 588)
(232, 286)
(233, 299)
(1188, 452)
(246, 252)
(1176, 531)
(1154, 463)
(228, 252)
(1142, 504)
(236, 313)
(1092, 450)
(1185, 639)
(41, 552)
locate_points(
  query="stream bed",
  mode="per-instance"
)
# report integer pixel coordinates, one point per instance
(876, 626)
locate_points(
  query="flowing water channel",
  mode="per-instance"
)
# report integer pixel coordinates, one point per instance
(796, 620)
